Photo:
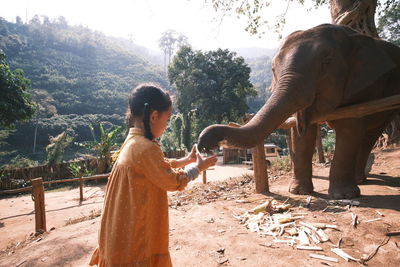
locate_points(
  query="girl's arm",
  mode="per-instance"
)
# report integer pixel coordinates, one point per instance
(159, 171)
(154, 167)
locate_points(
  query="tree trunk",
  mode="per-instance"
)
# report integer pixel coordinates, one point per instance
(186, 130)
(357, 14)
(360, 16)
(35, 136)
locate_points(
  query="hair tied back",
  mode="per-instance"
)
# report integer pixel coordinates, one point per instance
(146, 121)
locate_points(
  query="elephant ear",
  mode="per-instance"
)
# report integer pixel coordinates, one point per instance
(368, 62)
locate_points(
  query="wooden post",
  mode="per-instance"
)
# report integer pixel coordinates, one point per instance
(260, 169)
(259, 162)
(81, 189)
(38, 198)
(320, 149)
(204, 177)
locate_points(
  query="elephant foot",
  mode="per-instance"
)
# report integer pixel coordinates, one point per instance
(344, 191)
(301, 187)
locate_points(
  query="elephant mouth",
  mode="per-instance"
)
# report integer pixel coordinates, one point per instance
(207, 151)
(214, 150)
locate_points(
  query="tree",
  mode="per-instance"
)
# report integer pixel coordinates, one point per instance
(18, 20)
(35, 20)
(171, 140)
(169, 42)
(357, 14)
(45, 108)
(103, 145)
(15, 102)
(55, 150)
(212, 88)
(389, 24)
(84, 72)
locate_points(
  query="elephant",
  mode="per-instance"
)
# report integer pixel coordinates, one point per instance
(315, 72)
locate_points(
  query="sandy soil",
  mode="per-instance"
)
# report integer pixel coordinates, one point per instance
(203, 228)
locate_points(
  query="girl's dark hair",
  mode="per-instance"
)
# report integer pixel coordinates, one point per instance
(146, 98)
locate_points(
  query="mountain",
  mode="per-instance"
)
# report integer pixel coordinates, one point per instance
(84, 71)
(261, 78)
(154, 57)
(254, 52)
(78, 77)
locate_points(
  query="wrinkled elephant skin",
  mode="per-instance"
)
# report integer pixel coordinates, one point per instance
(315, 72)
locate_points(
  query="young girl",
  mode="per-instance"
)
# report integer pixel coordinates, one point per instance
(134, 227)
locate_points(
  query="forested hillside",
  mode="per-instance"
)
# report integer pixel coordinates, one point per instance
(78, 77)
(83, 71)
(261, 77)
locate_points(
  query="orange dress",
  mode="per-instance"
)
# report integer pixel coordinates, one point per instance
(134, 228)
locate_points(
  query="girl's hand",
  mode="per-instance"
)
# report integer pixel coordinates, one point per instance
(204, 163)
(192, 156)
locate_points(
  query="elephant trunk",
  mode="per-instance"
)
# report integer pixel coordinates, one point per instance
(287, 98)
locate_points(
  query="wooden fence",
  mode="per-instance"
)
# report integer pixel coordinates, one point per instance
(37, 187)
(175, 154)
(16, 178)
(21, 177)
(38, 196)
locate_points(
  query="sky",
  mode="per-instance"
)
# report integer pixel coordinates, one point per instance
(144, 21)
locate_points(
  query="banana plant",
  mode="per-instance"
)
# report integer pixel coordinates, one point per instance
(104, 144)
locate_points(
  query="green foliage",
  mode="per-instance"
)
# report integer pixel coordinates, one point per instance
(389, 23)
(169, 42)
(250, 10)
(171, 140)
(78, 170)
(45, 103)
(254, 12)
(212, 88)
(107, 140)
(79, 77)
(104, 144)
(57, 146)
(278, 137)
(258, 22)
(20, 162)
(281, 164)
(6, 152)
(3, 136)
(15, 102)
(23, 136)
(83, 71)
(328, 142)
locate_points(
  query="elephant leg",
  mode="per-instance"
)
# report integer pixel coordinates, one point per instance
(349, 138)
(376, 125)
(302, 152)
(363, 155)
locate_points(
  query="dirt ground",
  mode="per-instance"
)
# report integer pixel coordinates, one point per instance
(205, 224)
